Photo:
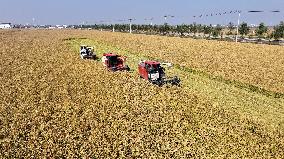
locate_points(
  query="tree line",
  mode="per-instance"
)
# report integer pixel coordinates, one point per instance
(205, 31)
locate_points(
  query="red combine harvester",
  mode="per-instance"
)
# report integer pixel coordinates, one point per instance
(155, 73)
(114, 62)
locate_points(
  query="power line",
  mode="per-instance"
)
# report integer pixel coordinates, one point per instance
(205, 15)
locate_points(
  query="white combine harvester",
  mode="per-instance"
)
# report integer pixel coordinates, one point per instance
(87, 52)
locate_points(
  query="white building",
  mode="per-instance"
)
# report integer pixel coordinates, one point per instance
(5, 26)
(61, 26)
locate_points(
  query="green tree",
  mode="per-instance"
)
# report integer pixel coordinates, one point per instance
(182, 29)
(244, 29)
(208, 29)
(278, 31)
(193, 28)
(199, 28)
(165, 29)
(261, 30)
(231, 27)
(217, 30)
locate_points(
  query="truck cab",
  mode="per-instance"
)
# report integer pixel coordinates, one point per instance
(155, 73)
(83, 47)
(151, 70)
(114, 62)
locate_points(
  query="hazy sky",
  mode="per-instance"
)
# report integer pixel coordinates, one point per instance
(92, 11)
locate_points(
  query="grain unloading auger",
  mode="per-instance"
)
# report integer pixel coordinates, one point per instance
(155, 73)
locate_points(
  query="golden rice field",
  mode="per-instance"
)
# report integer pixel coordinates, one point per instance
(55, 105)
(259, 65)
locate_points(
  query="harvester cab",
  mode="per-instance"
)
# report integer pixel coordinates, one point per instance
(87, 52)
(115, 62)
(155, 73)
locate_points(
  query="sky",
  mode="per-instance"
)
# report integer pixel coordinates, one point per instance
(40, 12)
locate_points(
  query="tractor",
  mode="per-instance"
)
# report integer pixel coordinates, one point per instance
(87, 52)
(155, 73)
(115, 62)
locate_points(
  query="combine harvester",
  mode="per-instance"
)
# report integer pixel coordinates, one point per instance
(87, 52)
(155, 73)
(114, 62)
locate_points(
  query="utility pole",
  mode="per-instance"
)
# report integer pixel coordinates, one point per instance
(83, 24)
(165, 18)
(130, 25)
(33, 22)
(151, 20)
(109, 23)
(168, 16)
(238, 27)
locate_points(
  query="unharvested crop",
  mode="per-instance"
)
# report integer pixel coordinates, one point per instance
(55, 105)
